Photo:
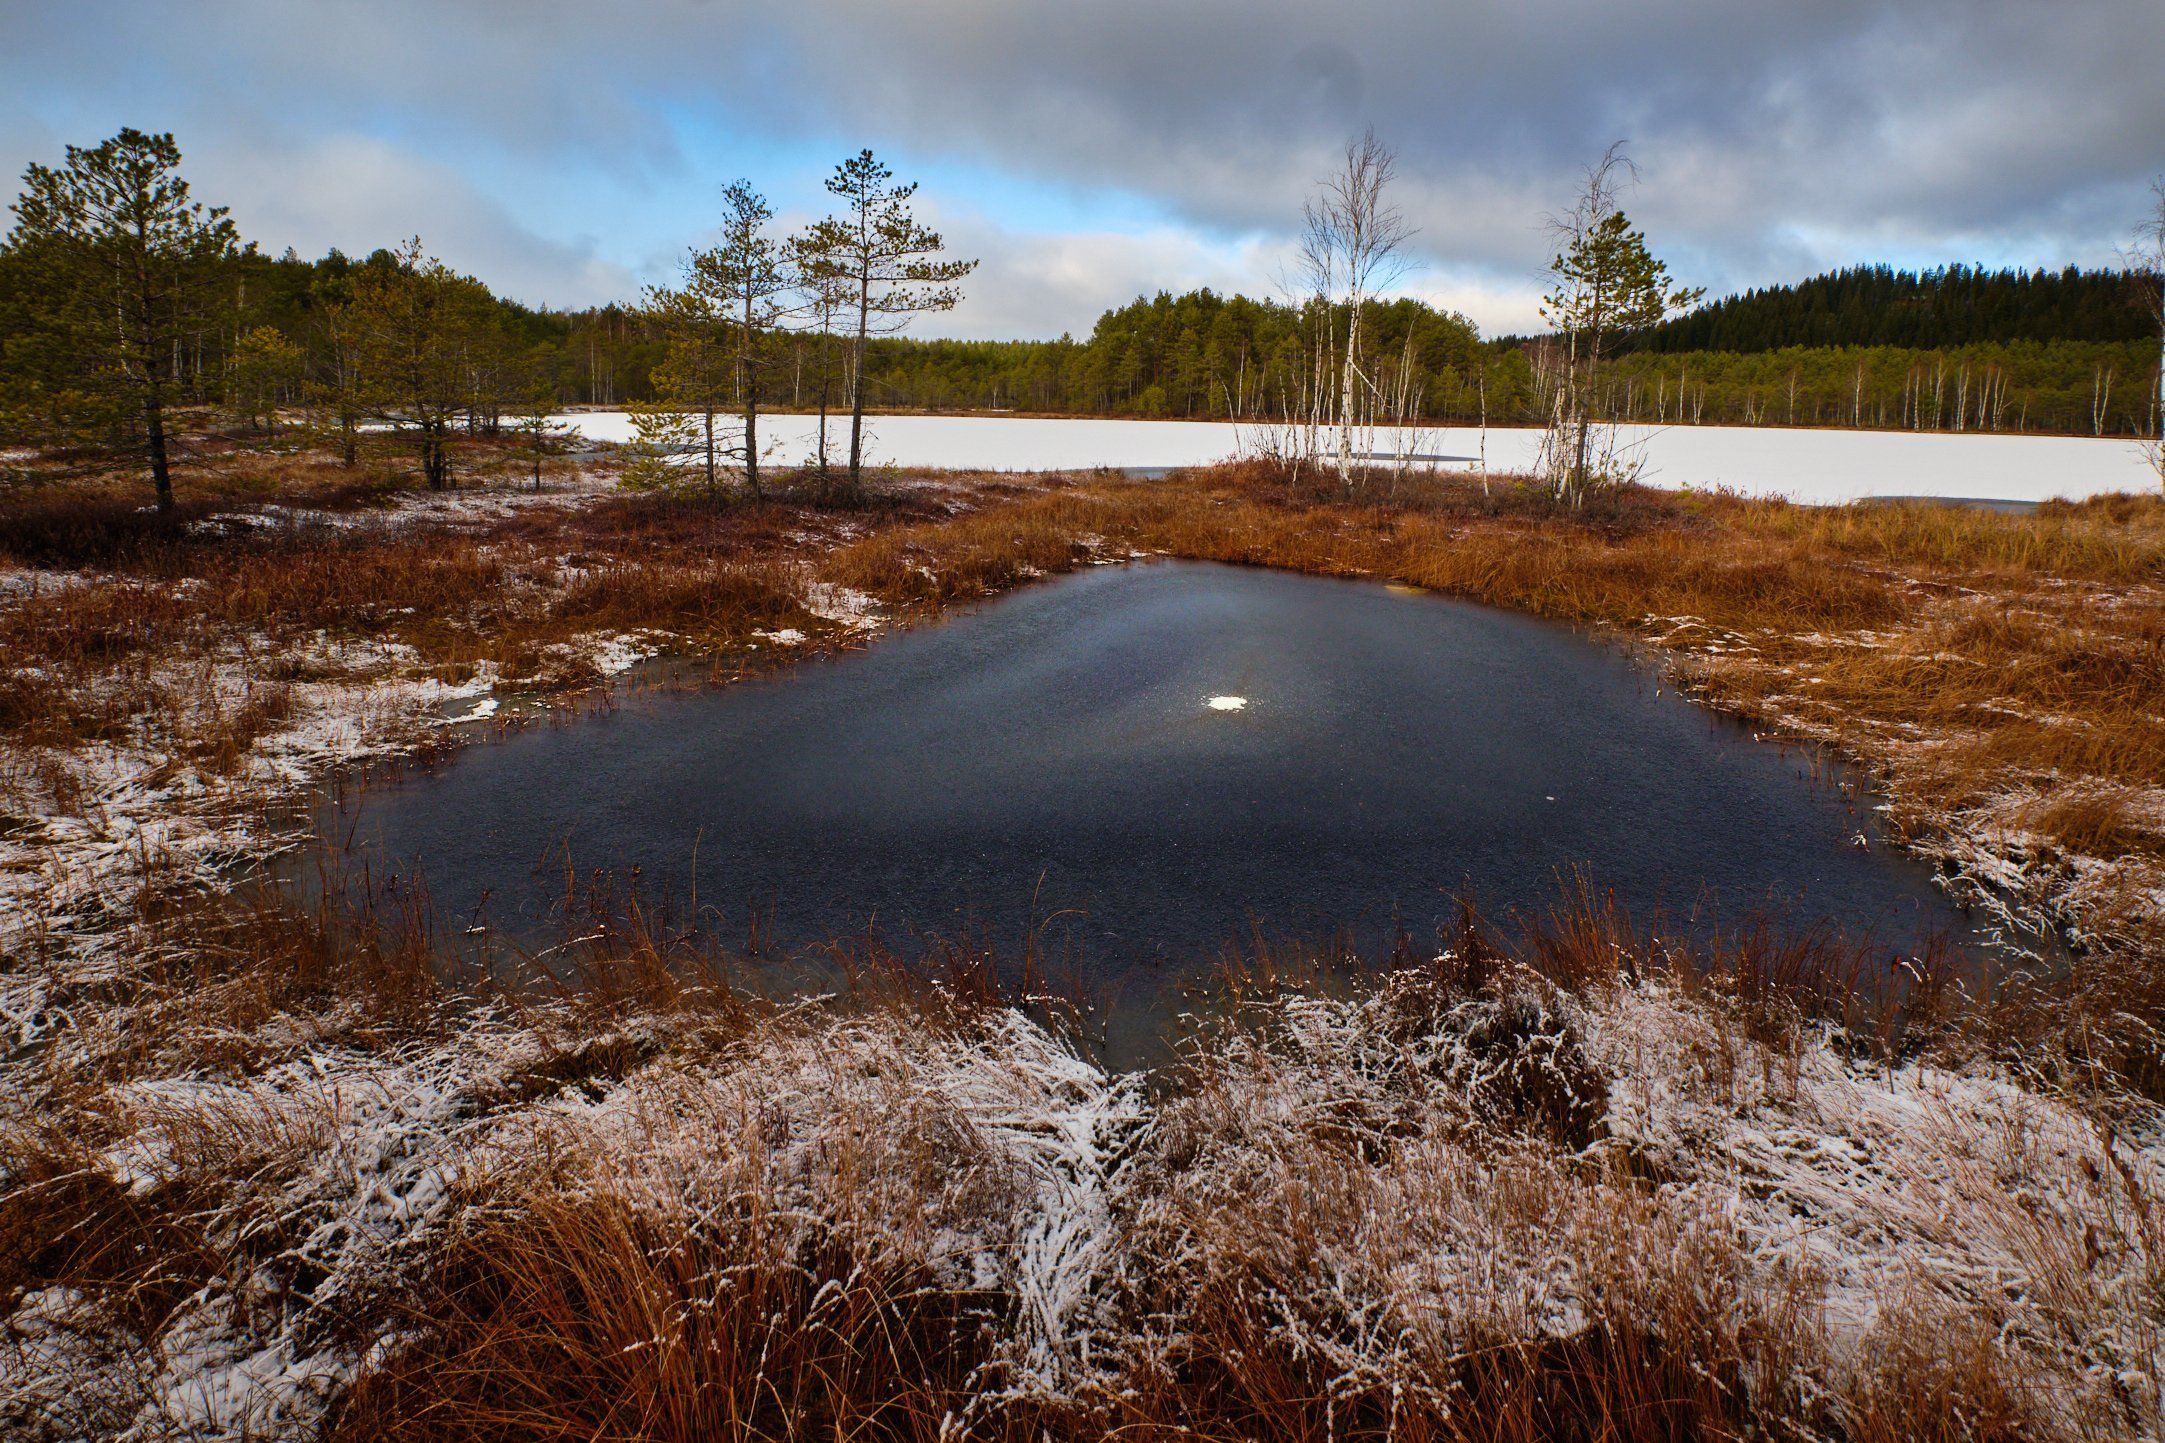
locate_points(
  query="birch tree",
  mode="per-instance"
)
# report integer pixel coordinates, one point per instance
(1604, 284)
(889, 267)
(1351, 235)
(125, 268)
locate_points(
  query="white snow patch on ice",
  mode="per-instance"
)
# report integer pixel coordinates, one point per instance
(621, 653)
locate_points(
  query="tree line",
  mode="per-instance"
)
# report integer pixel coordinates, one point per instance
(1195, 356)
(122, 297)
(1205, 356)
(1874, 306)
(2087, 388)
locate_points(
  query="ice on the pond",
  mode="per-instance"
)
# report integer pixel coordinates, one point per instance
(1227, 703)
(1805, 465)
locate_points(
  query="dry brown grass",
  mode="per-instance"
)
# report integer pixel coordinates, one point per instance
(567, 1309)
(181, 636)
(1558, 1183)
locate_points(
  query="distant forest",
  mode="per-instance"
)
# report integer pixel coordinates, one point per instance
(1951, 349)
(1954, 349)
(1957, 349)
(1915, 310)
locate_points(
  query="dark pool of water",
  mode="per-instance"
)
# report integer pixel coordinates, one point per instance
(1054, 751)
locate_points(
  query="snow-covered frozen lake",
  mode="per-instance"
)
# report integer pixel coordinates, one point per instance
(1805, 465)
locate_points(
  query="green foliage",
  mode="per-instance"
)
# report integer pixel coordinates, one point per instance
(885, 266)
(423, 337)
(266, 371)
(1873, 306)
(2081, 387)
(1606, 283)
(679, 441)
(672, 451)
(118, 268)
(539, 433)
(747, 283)
(1194, 356)
(889, 263)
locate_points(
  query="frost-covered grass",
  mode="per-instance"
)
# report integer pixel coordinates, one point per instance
(1584, 1186)
(272, 1171)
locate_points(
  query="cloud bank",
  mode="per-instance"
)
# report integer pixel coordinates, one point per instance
(1087, 151)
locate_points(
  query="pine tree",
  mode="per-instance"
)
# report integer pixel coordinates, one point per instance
(336, 355)
(746, 277)
(825, 291)
(123, 269)
(890, 266)
(417, 324)
(1606, 284)
(692, 388)
(266, 369)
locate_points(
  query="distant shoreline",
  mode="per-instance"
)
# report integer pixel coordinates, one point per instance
(1442, 423)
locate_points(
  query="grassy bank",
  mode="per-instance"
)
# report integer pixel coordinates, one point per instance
(268, 1170)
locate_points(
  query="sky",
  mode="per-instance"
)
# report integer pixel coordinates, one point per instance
(1086, 151)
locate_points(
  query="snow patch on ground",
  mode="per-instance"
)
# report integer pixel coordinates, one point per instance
(353, 1162)
(141, 805)
(17, 582)
(842, 604)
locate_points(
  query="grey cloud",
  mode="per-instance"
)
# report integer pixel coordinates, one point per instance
(325, 193)
(1775, 136)
(1038, 284)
